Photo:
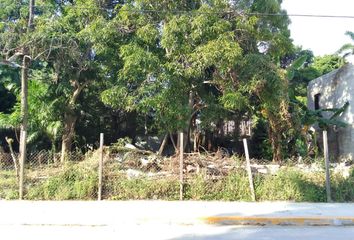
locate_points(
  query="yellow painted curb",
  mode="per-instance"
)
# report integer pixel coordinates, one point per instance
(282, 221)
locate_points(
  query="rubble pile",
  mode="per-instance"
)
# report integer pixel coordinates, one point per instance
(135, 163)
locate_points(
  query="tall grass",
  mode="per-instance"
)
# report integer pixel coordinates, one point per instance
(8, 185)
(76, 182)
(73, 183)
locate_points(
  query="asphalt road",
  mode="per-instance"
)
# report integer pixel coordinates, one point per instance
(172, 232)
(159, 220)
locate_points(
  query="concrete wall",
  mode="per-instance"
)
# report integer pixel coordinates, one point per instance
(336, 88)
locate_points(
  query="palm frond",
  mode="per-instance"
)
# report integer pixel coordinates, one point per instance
(345, 48)
(350, 34)
(298, 63)
(33, 137)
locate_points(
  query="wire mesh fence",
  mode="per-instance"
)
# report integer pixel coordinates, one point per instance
(7, 160)
(135, 174)
(126, 174)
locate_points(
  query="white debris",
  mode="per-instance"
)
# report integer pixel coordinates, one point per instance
(144, 161)
(191, 168)
(130, 146)
(342, 169)
(132, 173)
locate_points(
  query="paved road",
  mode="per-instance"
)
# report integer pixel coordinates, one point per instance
(158, 220)
(140, 212)
(174, 232)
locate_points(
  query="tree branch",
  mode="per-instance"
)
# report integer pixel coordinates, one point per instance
(13, 156)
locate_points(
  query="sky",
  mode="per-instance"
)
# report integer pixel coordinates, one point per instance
(321, 35)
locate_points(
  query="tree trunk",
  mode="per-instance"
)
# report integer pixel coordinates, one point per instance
(68, 135)
(70, 118)
(186, 138)
(26, 61)
(24, 96)
(277, 152)
(14, 158)
(31, 15)
(54, 151)
(173, 143)
(163, 144)
(275, 139)
(24, 105)
(196, 141)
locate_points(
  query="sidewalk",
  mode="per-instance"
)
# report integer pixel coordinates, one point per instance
(112, 213)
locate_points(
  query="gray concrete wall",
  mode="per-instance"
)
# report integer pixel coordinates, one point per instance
(336, 88)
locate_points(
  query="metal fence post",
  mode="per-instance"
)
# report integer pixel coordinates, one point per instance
(181, 150)
(100, 168)
(326, 156)
(22, 162)
(249, 171)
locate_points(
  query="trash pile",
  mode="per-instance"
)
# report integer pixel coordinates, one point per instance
(138, 162)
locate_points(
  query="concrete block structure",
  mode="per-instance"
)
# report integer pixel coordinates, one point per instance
(333, 90)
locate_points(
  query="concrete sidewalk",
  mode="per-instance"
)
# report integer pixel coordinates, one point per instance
(113, 213)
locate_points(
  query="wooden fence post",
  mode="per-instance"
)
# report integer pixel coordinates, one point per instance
(181, 151)
(249, 171)
(326, 156)
(22, 162)
(100, 168)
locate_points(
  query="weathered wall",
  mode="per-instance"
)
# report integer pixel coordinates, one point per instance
(336, 88)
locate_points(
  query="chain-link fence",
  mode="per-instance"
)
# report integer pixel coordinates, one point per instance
(44, 175)
(138, 174)
(8, 176)
(126, 174)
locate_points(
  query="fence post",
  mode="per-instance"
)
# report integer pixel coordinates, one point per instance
(100, 168)
(181, 150)
(326, 156)
(22, 162)
(249, 171)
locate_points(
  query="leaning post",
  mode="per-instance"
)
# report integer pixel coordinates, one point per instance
(245, 129)
(249, 171)
(326, 156)
(22, 163)
(100, 168)
(181, 152)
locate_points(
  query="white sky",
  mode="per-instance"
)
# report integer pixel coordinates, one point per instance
(321, 35)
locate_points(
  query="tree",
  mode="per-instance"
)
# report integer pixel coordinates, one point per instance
(180, 66)
(64, 44)
(165, 64)
(14, 19)
(347, 49)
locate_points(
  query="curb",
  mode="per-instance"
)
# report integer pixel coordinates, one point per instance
(281, 221)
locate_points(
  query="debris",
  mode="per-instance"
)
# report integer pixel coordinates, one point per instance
(132, 173)
(130, 146)
(146, 163)
(191, 169)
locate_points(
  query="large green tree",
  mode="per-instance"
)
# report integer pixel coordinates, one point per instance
(187, 58)
(165, 62)
(62, 43)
